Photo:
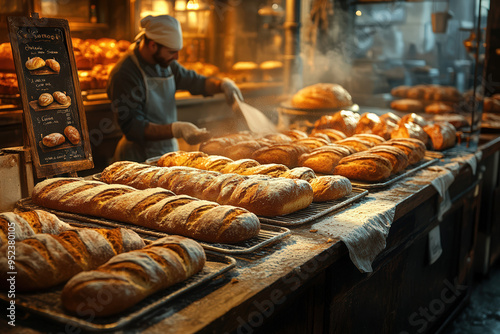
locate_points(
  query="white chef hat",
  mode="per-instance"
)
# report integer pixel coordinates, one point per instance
(163, 29)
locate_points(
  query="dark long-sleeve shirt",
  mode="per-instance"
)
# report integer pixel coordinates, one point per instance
(126, 90)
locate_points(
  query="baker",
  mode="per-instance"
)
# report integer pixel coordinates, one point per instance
(142, 88)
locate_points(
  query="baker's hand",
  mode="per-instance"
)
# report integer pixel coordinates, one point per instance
(229, 88)
(189, 132)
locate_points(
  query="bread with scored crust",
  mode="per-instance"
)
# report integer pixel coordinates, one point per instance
(128, 278)
(46, 260)
(364, 167)
(154, 208)
(260, 194)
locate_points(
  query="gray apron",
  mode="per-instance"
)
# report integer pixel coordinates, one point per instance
(159, 108)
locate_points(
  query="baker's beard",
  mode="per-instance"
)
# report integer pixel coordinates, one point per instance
(160, 60)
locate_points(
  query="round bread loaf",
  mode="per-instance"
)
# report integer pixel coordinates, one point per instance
(322, 96)
(45, 99)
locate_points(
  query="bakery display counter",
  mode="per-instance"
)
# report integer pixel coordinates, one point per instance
(369, 267)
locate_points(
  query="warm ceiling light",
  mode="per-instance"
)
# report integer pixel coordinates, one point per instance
(358, 13)
(192, 5)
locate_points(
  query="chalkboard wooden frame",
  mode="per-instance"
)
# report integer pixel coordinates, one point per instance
(36, 36)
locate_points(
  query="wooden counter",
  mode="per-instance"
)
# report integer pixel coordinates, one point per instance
(308, 284)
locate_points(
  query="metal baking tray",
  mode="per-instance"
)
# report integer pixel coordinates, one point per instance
(268, 234)
(425, 162)
(316, 210)
(48, 303)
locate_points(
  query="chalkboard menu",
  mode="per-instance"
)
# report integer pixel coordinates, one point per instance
(52, 106)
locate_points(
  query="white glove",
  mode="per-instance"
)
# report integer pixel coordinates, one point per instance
(229, 88)
(189, 132)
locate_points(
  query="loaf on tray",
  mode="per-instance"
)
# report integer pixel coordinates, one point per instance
(364, 166)
(262, 195)
(225, 165)
(155, 208)
(46, 260)
(128, 278)
(344, 121)
(442, 135)
(25, 224)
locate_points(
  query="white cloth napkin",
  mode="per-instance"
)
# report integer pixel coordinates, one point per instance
(363, 228)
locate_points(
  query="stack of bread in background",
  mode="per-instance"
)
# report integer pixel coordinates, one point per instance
(364, 147)
(433, 99)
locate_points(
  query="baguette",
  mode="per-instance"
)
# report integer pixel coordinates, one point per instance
(128, 278)
(26, 224)
(273, 170)
(154, 208)
(262, 195)
(46, 260)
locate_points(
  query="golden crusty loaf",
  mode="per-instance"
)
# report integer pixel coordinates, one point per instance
(34, 63)
(244, 149)
(410, 130)
(370, 137)
(154, 208)
(25, 224)
(388, 122)
(396, 156)
(322, 95)
(330, 187)
(72, 134)
(285, 154)
(355, 143)
(243, 167)
(367, 122)
(324, 159)
(364, 167)
(46, 260)
(262, 195)
(53, 139)
(313, 142)
(218, 145)
(414, 148)
(332, 134)
(443, 135)
(45, 99)
(408, 105)
(128, 278)
(53, 65)
(413, 118)
(344, 121)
